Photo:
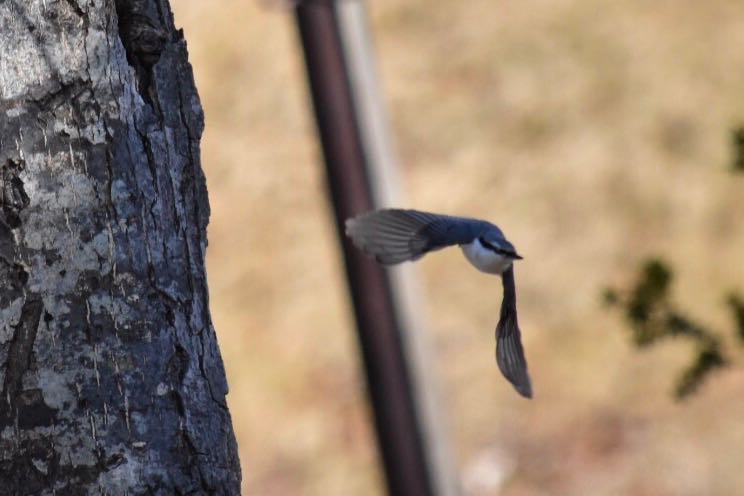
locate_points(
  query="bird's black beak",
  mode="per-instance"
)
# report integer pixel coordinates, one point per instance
(517, 256)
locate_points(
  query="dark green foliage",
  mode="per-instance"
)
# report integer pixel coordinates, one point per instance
(652, 316)
(737, 307)
(610, 296)
(647, 299)
(650, 292)
(708, 358)
(738, 142)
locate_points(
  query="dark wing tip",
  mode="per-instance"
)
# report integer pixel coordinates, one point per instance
(517, 375)
(510, 355)
(525, 389)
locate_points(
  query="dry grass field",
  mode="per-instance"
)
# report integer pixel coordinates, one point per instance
(594, 133)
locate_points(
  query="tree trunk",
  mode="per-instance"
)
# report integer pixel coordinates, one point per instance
(112, 382)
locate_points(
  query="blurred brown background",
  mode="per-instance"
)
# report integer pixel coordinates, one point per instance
(595, 133)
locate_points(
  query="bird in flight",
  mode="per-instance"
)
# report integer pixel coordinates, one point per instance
(394, 236)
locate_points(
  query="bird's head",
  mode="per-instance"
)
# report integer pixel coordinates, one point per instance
(495, 241)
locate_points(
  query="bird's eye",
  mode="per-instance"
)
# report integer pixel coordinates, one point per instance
(489, 245)
(497, 249)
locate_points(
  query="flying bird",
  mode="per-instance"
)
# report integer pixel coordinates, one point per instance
(394, 236)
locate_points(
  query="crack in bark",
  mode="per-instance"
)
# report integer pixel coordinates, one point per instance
(77, 10)
(19, 354)
(13, 197)
(61, 95)
(144, 37)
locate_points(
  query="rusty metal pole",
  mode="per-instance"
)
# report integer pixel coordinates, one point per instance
(399, 430)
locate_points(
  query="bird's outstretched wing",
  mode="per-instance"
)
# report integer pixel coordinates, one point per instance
(509, 351)
(394, 235)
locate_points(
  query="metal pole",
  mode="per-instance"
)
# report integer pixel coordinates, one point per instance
(382, 172)
(388, 377)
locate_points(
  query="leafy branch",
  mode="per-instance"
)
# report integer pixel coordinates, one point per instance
(653, 316)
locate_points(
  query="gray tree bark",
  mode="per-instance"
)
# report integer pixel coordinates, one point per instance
(111, 381)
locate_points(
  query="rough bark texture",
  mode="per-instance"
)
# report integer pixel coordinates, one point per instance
(112, 382)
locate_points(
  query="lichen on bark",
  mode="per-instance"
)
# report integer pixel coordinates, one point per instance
(111, 378)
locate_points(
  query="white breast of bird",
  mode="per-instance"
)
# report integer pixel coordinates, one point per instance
(484, 259)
